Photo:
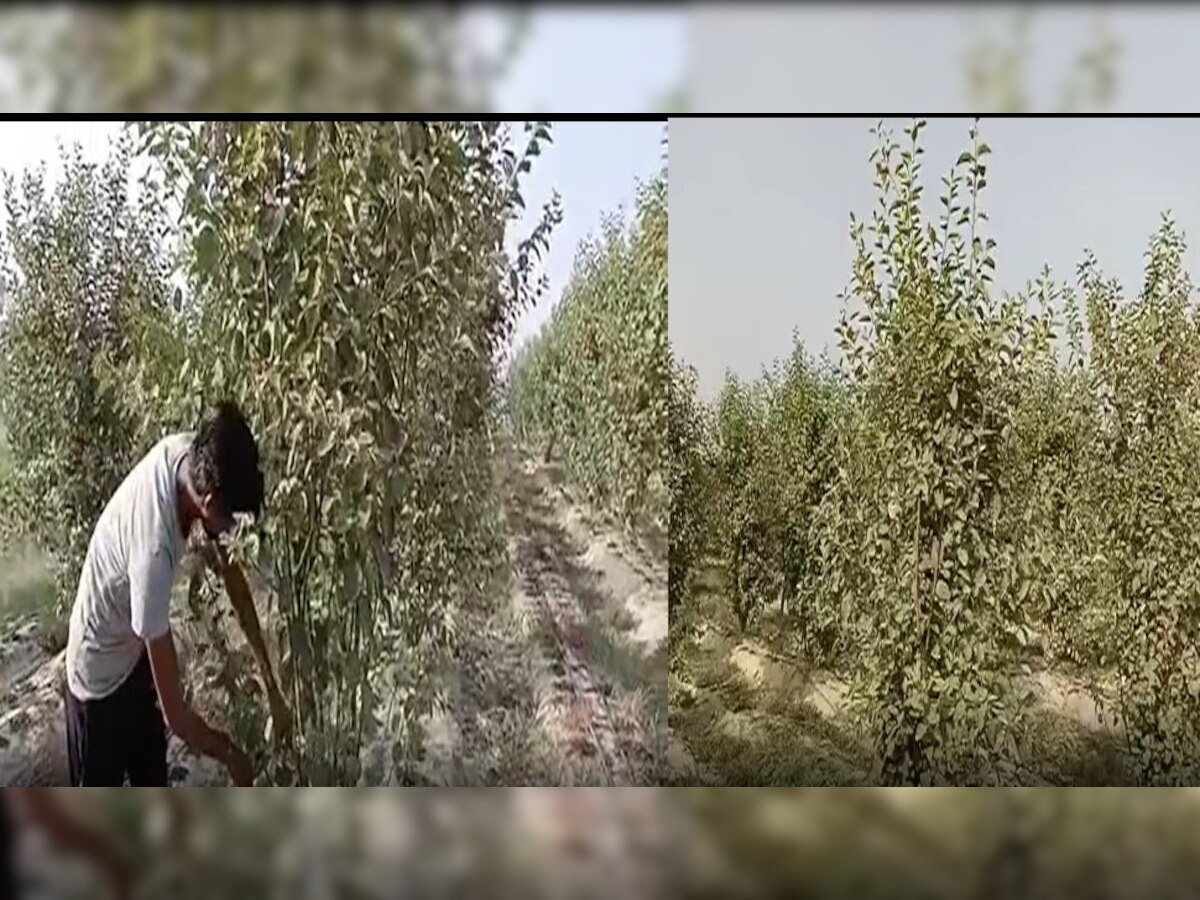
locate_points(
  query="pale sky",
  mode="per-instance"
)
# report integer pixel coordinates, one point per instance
(601, 60)
(903, 58)
(760, 208)
(585, 59)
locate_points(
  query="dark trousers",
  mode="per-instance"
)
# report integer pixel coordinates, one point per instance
(121, 735)
(8, 840)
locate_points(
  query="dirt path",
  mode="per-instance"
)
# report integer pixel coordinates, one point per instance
(598, 605)
(562, 677)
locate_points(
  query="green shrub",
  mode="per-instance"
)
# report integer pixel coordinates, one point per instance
(592, 388)
(687, 482)
(987, 469)
(351, 291)
(82, 266)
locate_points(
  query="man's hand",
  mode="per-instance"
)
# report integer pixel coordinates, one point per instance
(235, 761)
(183, 720)
(241, 770)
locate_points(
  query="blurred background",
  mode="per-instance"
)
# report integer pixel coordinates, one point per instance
(929, 58)
(149, 58)
(546, 59)
(635, 843)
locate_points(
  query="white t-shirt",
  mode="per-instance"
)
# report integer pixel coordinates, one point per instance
(125, 587)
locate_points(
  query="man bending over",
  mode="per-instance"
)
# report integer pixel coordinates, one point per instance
(122, 671)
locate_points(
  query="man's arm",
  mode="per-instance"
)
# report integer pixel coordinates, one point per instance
(184, 721)
(150, 575)
(70, 833)
(243, 606)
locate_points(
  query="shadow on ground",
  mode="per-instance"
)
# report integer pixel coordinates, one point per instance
(741, 714)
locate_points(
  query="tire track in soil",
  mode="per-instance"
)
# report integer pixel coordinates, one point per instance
(589, 719)
(564, 596)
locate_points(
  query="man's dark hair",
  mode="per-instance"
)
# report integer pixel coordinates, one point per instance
(224, 461)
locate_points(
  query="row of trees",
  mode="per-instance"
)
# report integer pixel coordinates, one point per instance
(347, 284)
(591, 388)
(980, 469)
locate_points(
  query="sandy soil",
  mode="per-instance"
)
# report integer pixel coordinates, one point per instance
(743, 697)
(590, 606)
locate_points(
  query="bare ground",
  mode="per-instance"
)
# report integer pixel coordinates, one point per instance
(564, 682)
